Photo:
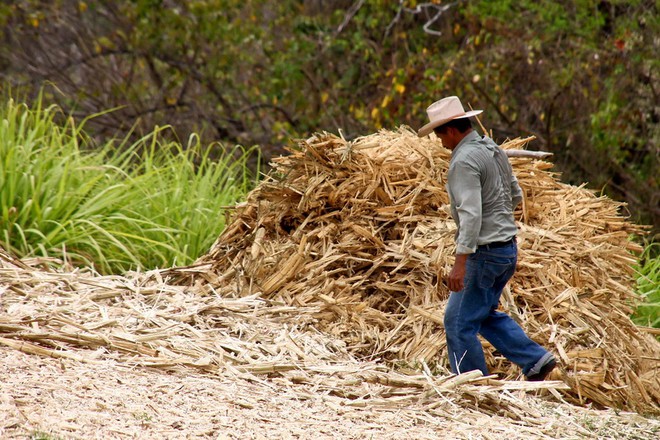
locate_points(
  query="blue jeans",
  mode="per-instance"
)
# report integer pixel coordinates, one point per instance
(472, 311)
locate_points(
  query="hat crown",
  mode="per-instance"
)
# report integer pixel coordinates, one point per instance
(445, 109)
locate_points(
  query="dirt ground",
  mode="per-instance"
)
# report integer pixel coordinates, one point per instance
(48, 399)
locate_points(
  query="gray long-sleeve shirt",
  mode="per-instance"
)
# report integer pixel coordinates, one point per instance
(483, 193)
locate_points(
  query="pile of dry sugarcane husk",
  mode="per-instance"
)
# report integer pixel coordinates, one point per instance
(361, 231)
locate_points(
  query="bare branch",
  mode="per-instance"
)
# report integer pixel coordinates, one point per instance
(349, 16)
(424, 7)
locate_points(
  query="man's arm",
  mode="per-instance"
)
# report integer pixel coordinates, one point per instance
(466, 189)
(516, 192)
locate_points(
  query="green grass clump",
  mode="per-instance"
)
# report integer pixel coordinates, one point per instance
(648, 287)
(116, 207)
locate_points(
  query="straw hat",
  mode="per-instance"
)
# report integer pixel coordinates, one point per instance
(443, 111)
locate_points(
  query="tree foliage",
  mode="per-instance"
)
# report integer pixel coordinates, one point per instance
(581, 75)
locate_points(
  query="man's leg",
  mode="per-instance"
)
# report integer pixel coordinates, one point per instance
(500, 329)
(512, 341)
(463, 316)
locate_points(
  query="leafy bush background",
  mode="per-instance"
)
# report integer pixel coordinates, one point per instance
(581, 75)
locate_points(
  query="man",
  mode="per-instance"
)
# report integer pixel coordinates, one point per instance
(483, 194)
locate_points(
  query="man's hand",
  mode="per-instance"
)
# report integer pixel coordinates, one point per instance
(457, 274)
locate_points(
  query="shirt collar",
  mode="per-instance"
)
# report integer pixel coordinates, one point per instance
(470, 137)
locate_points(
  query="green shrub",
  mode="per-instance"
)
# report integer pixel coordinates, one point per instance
(116, 207)
(648, 287)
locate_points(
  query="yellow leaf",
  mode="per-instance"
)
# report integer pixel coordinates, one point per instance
(400, 88)
(324, 97)
(82, 6)
(374, 113)
(448, 73)
(386, 101)
(106, 42)
(34, 21)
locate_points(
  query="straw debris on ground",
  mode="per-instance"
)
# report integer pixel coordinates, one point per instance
(325, 292)
(112, 357)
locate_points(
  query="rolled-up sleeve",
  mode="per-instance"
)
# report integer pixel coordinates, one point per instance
(465, 191)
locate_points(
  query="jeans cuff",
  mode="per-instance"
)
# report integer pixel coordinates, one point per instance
(536, 369)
